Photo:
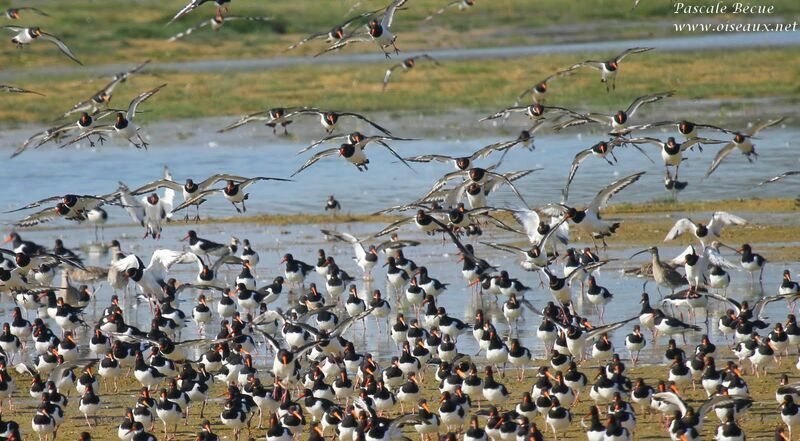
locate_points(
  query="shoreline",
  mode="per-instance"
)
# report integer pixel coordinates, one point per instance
(677, 43)
(770, 223)
(442, 124)
(623, 209)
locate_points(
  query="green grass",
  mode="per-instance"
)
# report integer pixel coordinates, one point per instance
(113, 31)
(484, 85)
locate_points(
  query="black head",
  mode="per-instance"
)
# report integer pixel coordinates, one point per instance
(686, 127)
(476, 174)
(85, 120)
(62, 209)
(347, 150)
(474, 189)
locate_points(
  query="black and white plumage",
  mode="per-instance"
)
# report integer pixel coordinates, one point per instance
(124, 126)
(481, 183)
(42, 422)
(189, 189)
(353, 153)
(780, 177)
(619, 121)
(602, 150)
(26, 263)
(534, 111)
(39, 138)
(365, 258)
(588, 220)
(215, 24)
(545, 235)
(29, 35)
(538, 90)
(151, 212)
(274, 117)
(742, 141)
(329, 119)
(705, 233)
(84, 123)
(687, 129)
(335, 33)
(102, 97)
(407, 64)
(233, 192)
(377, 31)
(13, 89)
(460, 4)
(672, 151)
(482, 177)
(14, 13)
(466, 162)
(70, 206)
(754, 311)
(194, 4)
(670, 325)
(89, 404)
(150, 279)
(207, 275)
(695, 420)
(610, 68)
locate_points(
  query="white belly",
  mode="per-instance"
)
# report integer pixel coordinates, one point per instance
(236, 198)
(23, 38)
(358, 157)
(476, 201)
(128, 132)
(673, 160)
(746, 147)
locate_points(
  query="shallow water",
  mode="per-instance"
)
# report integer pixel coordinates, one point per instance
(303, 241)
(254, 151)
